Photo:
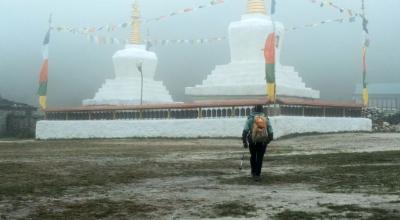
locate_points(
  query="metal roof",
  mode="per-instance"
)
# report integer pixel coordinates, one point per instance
(10, 105)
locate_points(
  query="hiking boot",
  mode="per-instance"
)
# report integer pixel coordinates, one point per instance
(256, 178)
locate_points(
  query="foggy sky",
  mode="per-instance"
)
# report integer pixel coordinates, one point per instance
(328, 57)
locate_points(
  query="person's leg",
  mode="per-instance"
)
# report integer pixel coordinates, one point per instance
(252, 149)
(260, 151)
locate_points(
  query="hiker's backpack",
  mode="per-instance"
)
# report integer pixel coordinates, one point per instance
(259, 133)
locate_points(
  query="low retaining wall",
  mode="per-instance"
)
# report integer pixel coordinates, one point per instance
(192, 128)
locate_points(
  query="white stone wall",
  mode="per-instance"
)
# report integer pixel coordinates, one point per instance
(192, 128)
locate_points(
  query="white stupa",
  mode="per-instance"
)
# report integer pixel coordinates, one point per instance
(244, 77)
(126, 87)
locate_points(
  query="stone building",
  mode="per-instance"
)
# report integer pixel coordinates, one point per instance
(16, 119)
(384, 96)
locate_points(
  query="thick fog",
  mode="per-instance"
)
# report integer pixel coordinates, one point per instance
(328, 57)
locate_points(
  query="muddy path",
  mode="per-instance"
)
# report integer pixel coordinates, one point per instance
(336, 176)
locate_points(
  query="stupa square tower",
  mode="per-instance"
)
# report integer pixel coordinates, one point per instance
(244, 76)
(126, 87)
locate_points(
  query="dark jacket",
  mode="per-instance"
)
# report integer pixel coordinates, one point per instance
(249, 124)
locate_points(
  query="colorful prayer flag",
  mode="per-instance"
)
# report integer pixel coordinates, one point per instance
(269, 54)
(42, 91)
(365, 89)
(364, 55)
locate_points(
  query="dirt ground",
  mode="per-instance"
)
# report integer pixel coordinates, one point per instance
(333, 176)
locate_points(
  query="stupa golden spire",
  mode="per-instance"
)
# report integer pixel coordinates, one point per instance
(256, 6)
(135, 34)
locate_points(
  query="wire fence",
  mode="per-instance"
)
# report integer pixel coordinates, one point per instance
(190, 112)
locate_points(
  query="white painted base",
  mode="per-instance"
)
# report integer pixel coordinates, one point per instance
(124, 91)
(192, 128)
(248, 79)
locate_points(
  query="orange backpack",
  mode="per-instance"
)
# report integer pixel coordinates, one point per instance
(259, 132)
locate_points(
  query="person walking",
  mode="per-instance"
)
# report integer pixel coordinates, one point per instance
(256, 136)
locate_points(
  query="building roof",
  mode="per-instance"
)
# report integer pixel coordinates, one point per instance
(380, 89)
(10, 105)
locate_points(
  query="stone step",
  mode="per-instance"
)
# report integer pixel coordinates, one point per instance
(252, 66)
(132, 96)
(248, 77)
(158, 92)
(122, 90)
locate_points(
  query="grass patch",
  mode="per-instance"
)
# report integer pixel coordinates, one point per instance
(234, 209)
(95, 209)
(376, 179)
(33, 171)
(374, 173)
(297, 215)
(335, 159)
(228, 209)
(355, 211)
(350, 211)
(54, 178)
(397, 201)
